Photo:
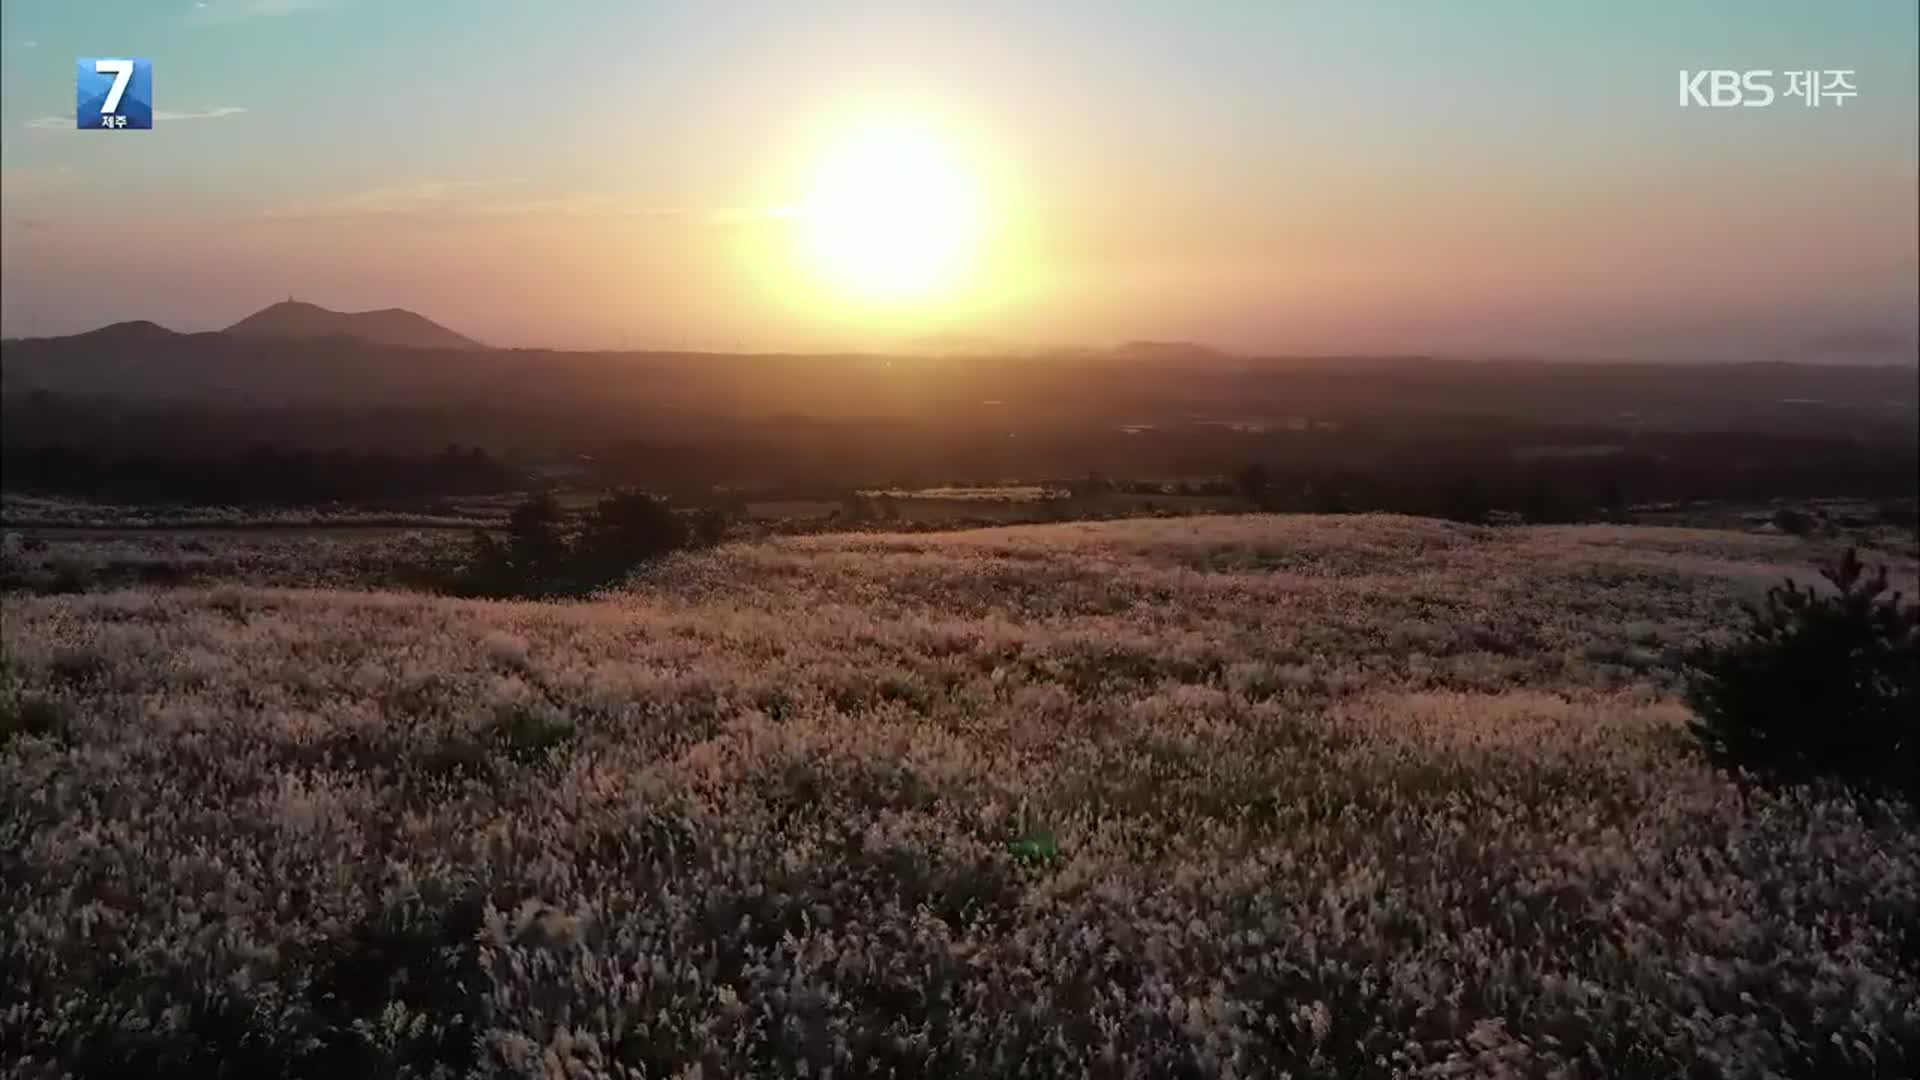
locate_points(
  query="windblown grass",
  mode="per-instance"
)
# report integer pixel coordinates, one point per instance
(1363, 796)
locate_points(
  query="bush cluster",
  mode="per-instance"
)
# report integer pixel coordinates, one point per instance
(1822, 686)
(541, 557)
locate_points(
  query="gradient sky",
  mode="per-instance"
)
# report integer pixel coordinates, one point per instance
(1510, 177)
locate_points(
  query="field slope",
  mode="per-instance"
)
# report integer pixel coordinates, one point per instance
(1352, 796)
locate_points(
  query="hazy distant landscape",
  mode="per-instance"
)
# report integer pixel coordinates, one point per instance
(1048, 716)
(1603, 435)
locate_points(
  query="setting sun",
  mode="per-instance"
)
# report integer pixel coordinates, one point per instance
(893, 216)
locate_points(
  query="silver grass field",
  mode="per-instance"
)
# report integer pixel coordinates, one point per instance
(1229, 796)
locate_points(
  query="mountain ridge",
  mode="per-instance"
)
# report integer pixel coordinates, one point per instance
(292, 319)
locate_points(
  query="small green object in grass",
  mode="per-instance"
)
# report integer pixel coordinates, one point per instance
(1035, 846)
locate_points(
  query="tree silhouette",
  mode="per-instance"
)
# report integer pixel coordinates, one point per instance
(1821, 685)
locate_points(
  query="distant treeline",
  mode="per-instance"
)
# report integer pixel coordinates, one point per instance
(1597, 489)
(265, 475)
(1445, 467)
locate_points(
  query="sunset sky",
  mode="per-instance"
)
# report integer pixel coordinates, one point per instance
(1511, 177)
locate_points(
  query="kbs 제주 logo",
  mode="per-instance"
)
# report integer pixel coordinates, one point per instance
(1720, 88)
(113, 94)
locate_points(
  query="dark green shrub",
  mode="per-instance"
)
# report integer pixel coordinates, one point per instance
(36, 716)
(1793, 522)
(422, 955)
(1252, 481)
(538, 559)
(527, 736)
(455, 761)
(68, 576)
(624, 531)
(1822, 686)
(1898, 512)
(534, 545)
(157, 572)
(708, 526)
(534, 552)
(854, 507)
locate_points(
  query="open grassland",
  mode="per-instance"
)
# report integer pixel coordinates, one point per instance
(76, 561)
(26, 511)
(1231, 796)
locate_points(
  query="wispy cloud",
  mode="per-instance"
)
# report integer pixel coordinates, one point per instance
(609, 208)
(419, 197)
(470, 199)
(750, 214)
(229, 10)
(596, 206)
(603, 206)
(208, 112)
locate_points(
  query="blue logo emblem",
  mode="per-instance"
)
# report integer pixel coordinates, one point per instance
(113, 94)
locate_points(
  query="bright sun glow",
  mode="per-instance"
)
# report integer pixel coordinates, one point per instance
(893, 217)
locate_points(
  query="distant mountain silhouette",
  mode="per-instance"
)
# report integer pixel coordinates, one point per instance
(293, 319)
(949, 343)
(1859, 343)
(1160, 351)
(131, 332)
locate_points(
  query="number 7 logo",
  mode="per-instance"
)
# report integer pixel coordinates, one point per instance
(122, 72)
(113, 93)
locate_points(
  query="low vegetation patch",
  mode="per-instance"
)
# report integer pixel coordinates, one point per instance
(32, 716)
(541, 557)
(1823, 685)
